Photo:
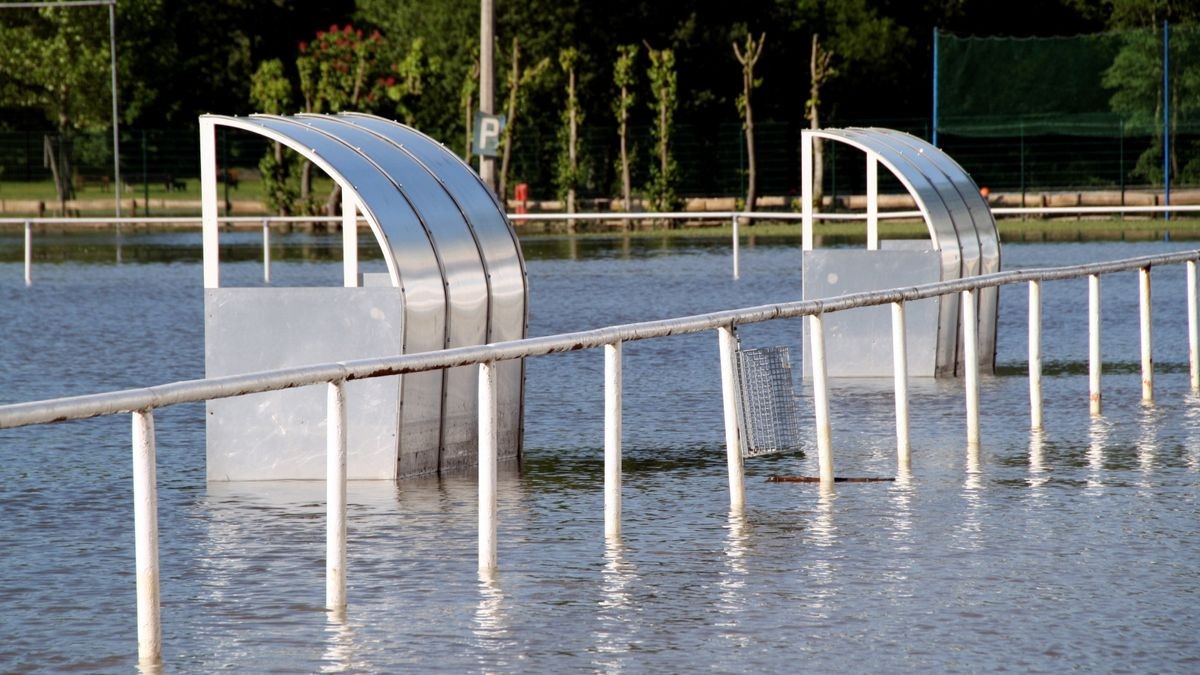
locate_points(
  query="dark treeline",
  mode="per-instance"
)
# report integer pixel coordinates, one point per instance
(181, 59)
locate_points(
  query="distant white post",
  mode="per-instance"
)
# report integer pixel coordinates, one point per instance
(349, 239)
(28, 253)
(806, 190)
(872, 202)
(816, 329)
(1147, 338)
(1094, 342)
(266, 232)
(1193, 329)
(736, 270)
(208, 202)
(900, 375)
(145, 526)
(971, 363)
(1035, 354)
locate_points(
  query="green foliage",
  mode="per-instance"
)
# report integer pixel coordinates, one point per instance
(664, 173)
(270, 90)
(569, 173)
(340, 69)
(624, 79)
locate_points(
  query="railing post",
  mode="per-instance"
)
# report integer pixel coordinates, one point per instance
(900, 375)
(971, 364)
(145, 526)
(1035, 354)
(487, 467)
(28, 253)
(816, 329)
(872, 202)
(1094, 342)
(612, 440)
(736, 266)
(1147, 338)
(266, 231)
(1193, 329)
(335, 497)
(733, 437)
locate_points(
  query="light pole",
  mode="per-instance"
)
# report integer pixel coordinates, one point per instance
(487, 82)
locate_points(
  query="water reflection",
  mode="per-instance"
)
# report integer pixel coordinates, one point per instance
(1037, 466)
(490, 628)
(823, 570)
(339, 645)
(971, 528)
(618, 615)
(1147, 441)
(732, 599)
(1191, 422)
(1098, 433)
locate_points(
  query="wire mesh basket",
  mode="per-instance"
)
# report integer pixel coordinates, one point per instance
(768, 414)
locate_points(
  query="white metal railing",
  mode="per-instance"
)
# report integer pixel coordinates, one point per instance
(734, 217)
(142, 402)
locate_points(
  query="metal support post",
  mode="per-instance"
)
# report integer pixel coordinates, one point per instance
(612, 440)
(806, 191)
(872, 202)
(28, 253)
(736, 268)
(266, 231)
(1147, 337)
(349, 240)
(971, 364)
(1094, 342)
(816, 329)
(733, 437)
(488, 440)
(335, 497)
(1193, 329)
(145, 526)
(1035, 354)
(900, 370)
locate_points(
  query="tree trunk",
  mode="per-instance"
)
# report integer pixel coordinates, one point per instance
(818, 64)
(514, 84)
(626, 184)
(572, 158)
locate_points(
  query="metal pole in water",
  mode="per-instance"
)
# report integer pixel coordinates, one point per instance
(733, 438)
(900, 369)
(1147, 341)
(1193, 329)
(1094, 342)
(816, 329)
(28, 253)
(335, 498)
(971, 362)
(612, 440)
(1035, 354)
(266, 224)
(145, 526)
(487, 467)
(736, 272)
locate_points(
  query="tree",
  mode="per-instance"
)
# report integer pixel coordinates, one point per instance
(271, 92)
(663, 89)
(519, 82)
(623, 78)
(57, 60)
(568, 162)
(470, 85)
(819, 72)
(748, 60)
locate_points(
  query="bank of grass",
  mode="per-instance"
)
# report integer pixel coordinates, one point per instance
(1011, 230)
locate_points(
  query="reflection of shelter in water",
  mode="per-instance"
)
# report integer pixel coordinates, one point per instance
(455, 277)
(963, 242)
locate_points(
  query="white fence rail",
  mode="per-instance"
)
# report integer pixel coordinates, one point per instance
(141, 403)
(733, 217)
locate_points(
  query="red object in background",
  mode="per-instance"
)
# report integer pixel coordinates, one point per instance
(521, 195)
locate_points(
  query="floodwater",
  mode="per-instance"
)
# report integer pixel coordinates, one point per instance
(1075, 549)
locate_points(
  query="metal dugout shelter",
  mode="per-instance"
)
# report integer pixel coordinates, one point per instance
(963, 242)
(455, 277)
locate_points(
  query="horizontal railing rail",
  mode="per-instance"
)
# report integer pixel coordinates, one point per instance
(142, 402)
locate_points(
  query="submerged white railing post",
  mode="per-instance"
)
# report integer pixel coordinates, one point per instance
(145, 527)
(488, 440)
(971, 364)
(733, 437)
(816, 329)
(1193, 329)
(1094, 342)
(736, 264)
(1147, 338)
(28, 253)
(266, 229)
(612, 440)
(900, 375)
(1035, 354)
(335, 498)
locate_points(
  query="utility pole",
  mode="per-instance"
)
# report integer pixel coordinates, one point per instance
(487, 82)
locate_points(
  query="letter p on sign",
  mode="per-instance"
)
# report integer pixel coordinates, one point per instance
(487, 134)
